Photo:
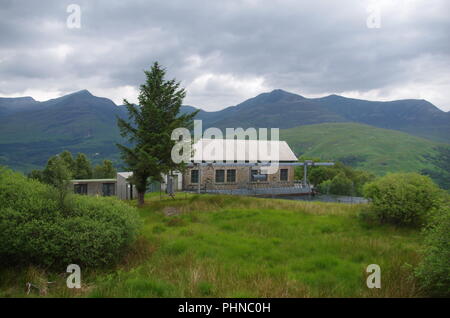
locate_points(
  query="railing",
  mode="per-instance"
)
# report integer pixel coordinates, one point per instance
(257, 188)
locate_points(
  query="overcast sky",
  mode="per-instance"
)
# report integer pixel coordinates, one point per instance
(226, 51)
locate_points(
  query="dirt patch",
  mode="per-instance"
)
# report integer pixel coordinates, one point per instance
(170, 211)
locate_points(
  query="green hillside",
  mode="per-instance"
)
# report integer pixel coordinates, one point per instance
(370, 148)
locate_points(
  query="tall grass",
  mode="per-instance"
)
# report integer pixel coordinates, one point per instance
(228, 246)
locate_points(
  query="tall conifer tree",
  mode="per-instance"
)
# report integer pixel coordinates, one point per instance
(149, 128)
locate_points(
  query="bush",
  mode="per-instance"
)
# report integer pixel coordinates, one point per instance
(402, 198)
(324, 187)
(434, 270)
(340, 184)
(34, 230)
(338, 179)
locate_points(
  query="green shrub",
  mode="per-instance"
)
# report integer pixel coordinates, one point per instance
(33, 230)
(25, 194)
(324, 187)
(434, 271)
(338, 179)
(340, 184)
(402, 198)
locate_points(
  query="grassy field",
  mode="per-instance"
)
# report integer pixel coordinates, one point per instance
(227, 246)
(373, 149)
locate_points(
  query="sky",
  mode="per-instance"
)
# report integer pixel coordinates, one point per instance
(226, 51)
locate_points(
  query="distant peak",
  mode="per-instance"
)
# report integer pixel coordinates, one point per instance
(277, 95)
(277, 91)
(280, 92)
(83, 92)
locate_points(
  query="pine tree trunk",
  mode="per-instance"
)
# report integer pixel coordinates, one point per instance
(141, 198)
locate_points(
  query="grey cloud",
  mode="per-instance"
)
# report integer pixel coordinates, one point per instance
(310, 47)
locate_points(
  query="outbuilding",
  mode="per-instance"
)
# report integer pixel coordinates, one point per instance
(99, 187)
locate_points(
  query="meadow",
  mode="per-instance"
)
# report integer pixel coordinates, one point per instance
(229, 246)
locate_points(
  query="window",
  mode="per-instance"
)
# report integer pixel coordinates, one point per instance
(257, 176)
(80, 188)
(130, 191)
(194, 176)
(108, 189)
(220, 176)
(284, 174)
(252, 175)
(231, 175)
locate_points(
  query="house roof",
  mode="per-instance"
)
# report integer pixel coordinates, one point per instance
(125, 174)
(230, 150)
(92, 180)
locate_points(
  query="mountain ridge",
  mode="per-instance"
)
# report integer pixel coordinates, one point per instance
(415, 116)
(31, 131)
(278, 108)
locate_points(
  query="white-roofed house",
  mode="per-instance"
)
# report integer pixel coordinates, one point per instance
(237, 163)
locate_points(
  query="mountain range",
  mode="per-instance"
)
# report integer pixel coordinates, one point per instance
(286, 110)
(32, 131)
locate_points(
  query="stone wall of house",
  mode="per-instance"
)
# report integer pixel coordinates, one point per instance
(243, 178)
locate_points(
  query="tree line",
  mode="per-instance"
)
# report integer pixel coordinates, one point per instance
(339, 179)
(65, 167)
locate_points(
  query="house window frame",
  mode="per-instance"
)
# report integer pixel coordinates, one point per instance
(251, 175)
(234, 175)
(80, 185)
(198, 175)
(287, 174)
(258, 171)
(109, 184)
(223, 176)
